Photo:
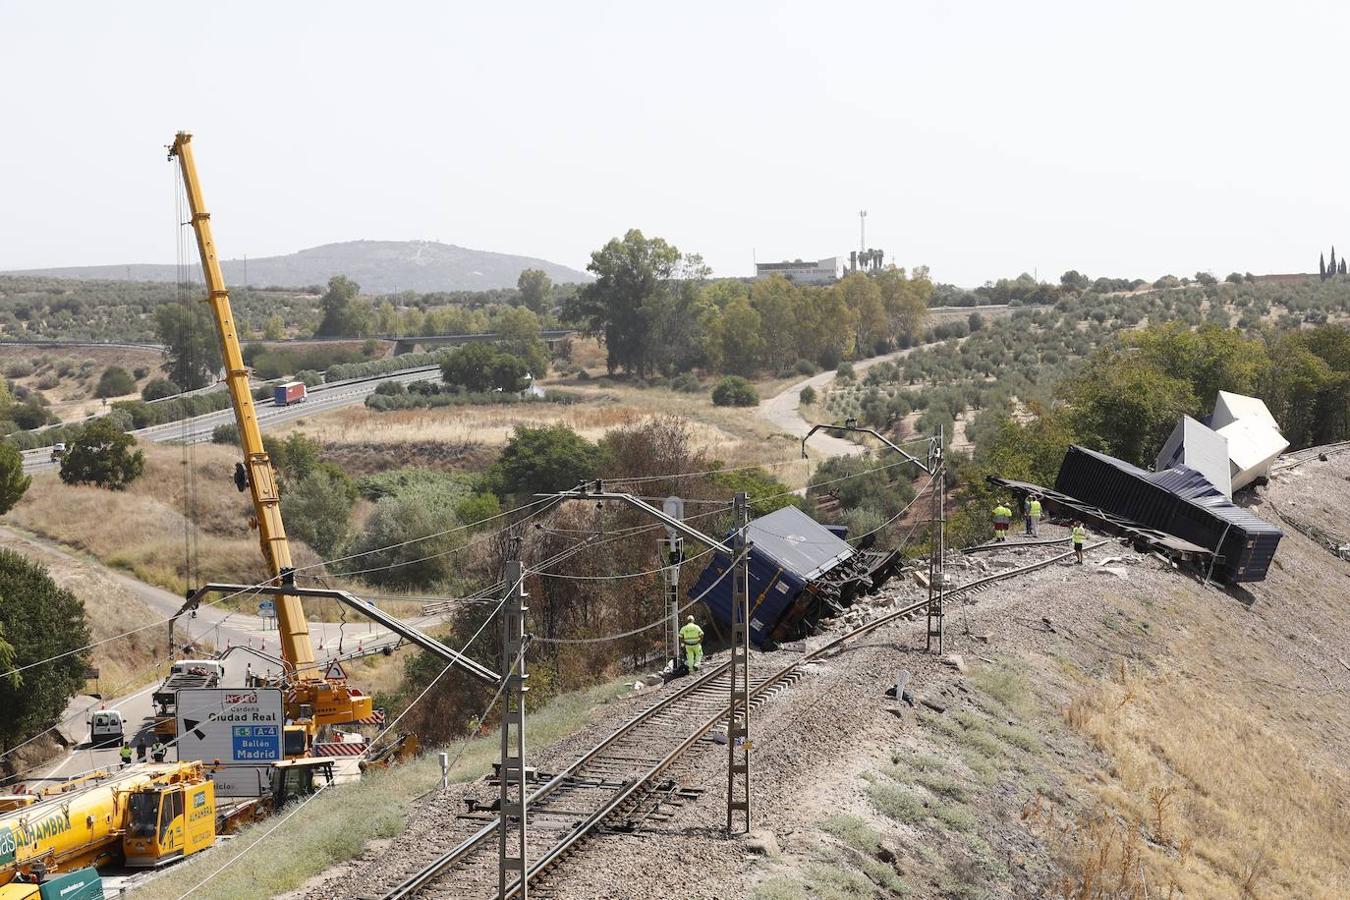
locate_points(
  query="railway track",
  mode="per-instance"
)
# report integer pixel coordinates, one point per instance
(629, 777)
(1308, 454)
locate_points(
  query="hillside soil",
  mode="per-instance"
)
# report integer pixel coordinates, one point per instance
(1114, 730)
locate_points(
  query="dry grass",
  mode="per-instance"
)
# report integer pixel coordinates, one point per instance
(733, 436)
(1226, 806)
(141, 529)
(72, 397)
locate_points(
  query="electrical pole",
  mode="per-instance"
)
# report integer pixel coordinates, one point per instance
(862, 232)
(738, 732)
(937, 574)
(511, 769)
(672, 551)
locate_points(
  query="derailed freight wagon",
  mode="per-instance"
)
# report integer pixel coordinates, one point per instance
(800, 572)
(1179, 501)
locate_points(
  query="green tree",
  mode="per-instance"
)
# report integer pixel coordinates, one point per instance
(1205, 278)
(630, 272)
(538, 460)
(905, 300)
(115, 382)
(193, 350)
(862, 296)
(344, 314)
(274, 328)
(469, 366)
(734, 341)
(1210, 358)
(1073, 280)
(44, 625)
(536, 290)
(518, 331)
(806, 396)
(13, 483)
(317, 509)
(158, 389)
(409, 540)
(481, 367)
(102, 455)
(1125, 406)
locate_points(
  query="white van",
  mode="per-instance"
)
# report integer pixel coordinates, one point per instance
(107, 728)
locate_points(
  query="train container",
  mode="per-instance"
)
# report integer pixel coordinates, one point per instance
(800, 572)
(1179, 501)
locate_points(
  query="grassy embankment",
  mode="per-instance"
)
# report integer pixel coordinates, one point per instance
(337, 825)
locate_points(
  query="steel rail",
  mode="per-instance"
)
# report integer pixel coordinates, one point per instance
(429, 873)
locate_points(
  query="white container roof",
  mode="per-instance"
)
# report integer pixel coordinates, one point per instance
(1198, 447)
(1252, 446)
(1230, 407)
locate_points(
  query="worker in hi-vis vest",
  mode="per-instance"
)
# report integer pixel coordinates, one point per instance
(1079, 539)
(1002, 516)
(1034, 516)
(692, 638)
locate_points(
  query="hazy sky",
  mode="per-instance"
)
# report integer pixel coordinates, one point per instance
(984, 139)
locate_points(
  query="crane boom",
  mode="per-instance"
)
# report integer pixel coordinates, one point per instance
(296, 647)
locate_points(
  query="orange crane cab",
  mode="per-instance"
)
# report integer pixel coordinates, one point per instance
(311, 699)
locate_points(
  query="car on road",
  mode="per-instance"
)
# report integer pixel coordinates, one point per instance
(58, 451)
(107, 728)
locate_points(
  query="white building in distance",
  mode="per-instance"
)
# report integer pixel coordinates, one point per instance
(822, 271)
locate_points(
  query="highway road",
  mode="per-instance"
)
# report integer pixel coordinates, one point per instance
(254, 640)
(197, 430)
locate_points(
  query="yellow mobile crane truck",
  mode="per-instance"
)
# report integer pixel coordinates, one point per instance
(311, 700)
(148, 815)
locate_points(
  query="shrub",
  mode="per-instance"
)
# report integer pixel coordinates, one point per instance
(317, 509)
(309, 377)
(804, 367)
(158, 389)
(115, 382)
(139, 372)
(807, 395)
(733, 390)
(391, 388)
(686, 382)
(225, 433)
(845, 370)
(48, 381)
(18, 369)
(103, 455)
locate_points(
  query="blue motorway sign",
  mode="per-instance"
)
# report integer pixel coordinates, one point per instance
(255, 742)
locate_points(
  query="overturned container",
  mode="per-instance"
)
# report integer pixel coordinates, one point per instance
(800, 572)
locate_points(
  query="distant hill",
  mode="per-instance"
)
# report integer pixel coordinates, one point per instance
(378, 266)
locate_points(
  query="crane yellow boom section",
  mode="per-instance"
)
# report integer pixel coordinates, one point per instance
(296, 647)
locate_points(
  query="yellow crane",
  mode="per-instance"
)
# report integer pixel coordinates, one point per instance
(311, 699)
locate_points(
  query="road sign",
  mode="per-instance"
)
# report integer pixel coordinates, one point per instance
(335, 670)
(241, 781)
(267, 609)
(232, 725)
